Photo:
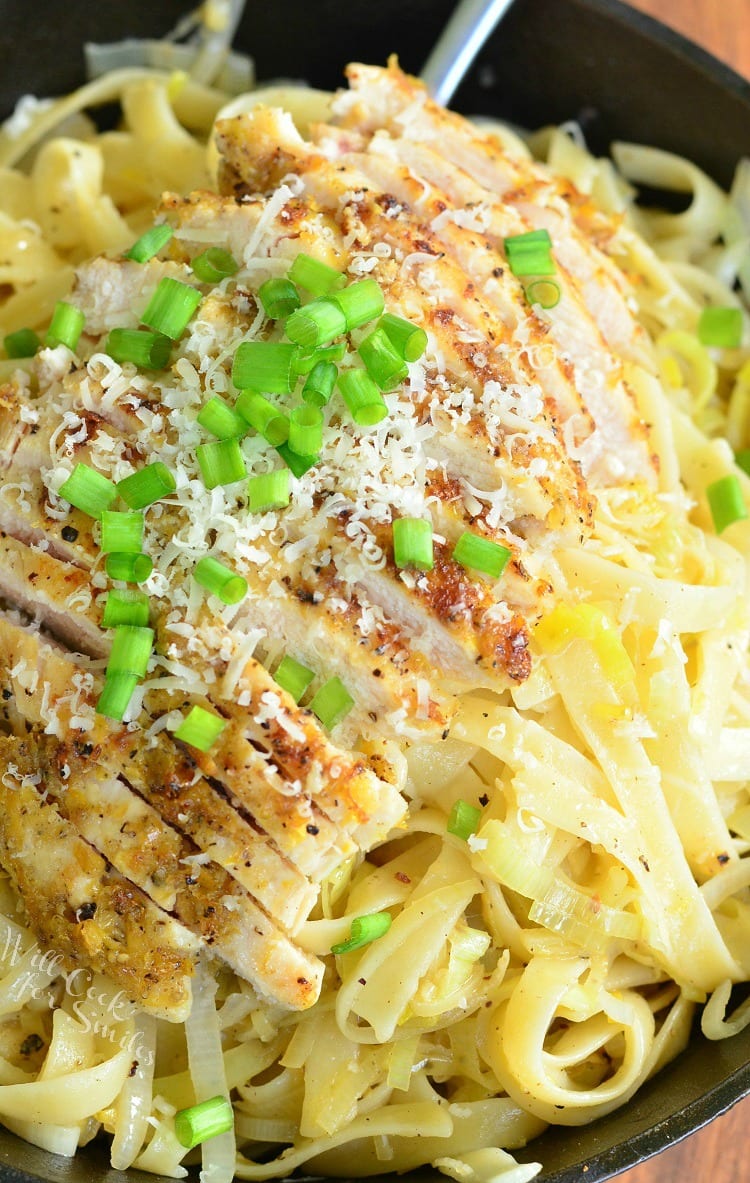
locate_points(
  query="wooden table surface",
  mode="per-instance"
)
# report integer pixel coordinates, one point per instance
(720, 1153)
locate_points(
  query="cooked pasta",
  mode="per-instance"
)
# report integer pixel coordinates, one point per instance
(541, 966)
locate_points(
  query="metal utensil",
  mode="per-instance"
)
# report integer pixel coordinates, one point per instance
(459, 43)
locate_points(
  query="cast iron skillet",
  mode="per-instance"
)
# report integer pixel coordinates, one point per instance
(624, 76)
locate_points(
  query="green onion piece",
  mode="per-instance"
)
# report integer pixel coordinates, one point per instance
(201, 1122)
(131, 649)
(220, 581)
(200, 728)
(481, 554)
(269, 490)
(463, 819)
(532, 238)
(299, 465)
(407, 339)
(116, 695)
(364, 930)
(319, 384)
(536, 262)
(721, 327)
(121, 531)
(147, 485)
(23, 343)
(545, 292)
(360, 302)
(221, 463)
(214, 264)
(362, 397)
(264, 416)
(412, 543)
(384, 363)
(125, 606)
(316, 324)
(279, 298)
(307, 359)
(150, 350)
(149, 244)
(266, 366)
(221, 420)
(171, 307)
(66, 326)
(742, 460)
(726, 502)
(293, 677)
(128, 567)
(529, 254)
(88, 490)
(332, 702)
(306, 430)
(315, 277)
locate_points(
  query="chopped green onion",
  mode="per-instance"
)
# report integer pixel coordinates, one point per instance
(532, 238)
(22, 343)
(171, 307)
(201, 1122)
(316, 324)
(125, 606)
(147, 485)
(149, 244)
(116, 695)
(128, 567)
(299, 465)
(384, 363)
(220, 581)
(266, 366)
(537, 262)
(221, 420)
(88, 490)
(214, 264)
(410, 341)
(726, 502)
(364, 930)
(412, 543)
(264, 416)
(269, 490)
(279, 298)
(463, 819)
(200, 728)
(529, 254)
(221, 463)
(307, 359)
(742, 460)
(293, 677)
(121, 531)
(332, 702)
(66, 326)
(306, 430)
(545, 292)
(315, 277)
(360, 302)
(320, 382)
(721, 327)
(481, 554)
(362, 397)
(131, 650)
(139, 346)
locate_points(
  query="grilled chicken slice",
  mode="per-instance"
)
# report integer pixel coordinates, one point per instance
(226, 917)
(169, 869)
(42, 686)
(81, 908)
